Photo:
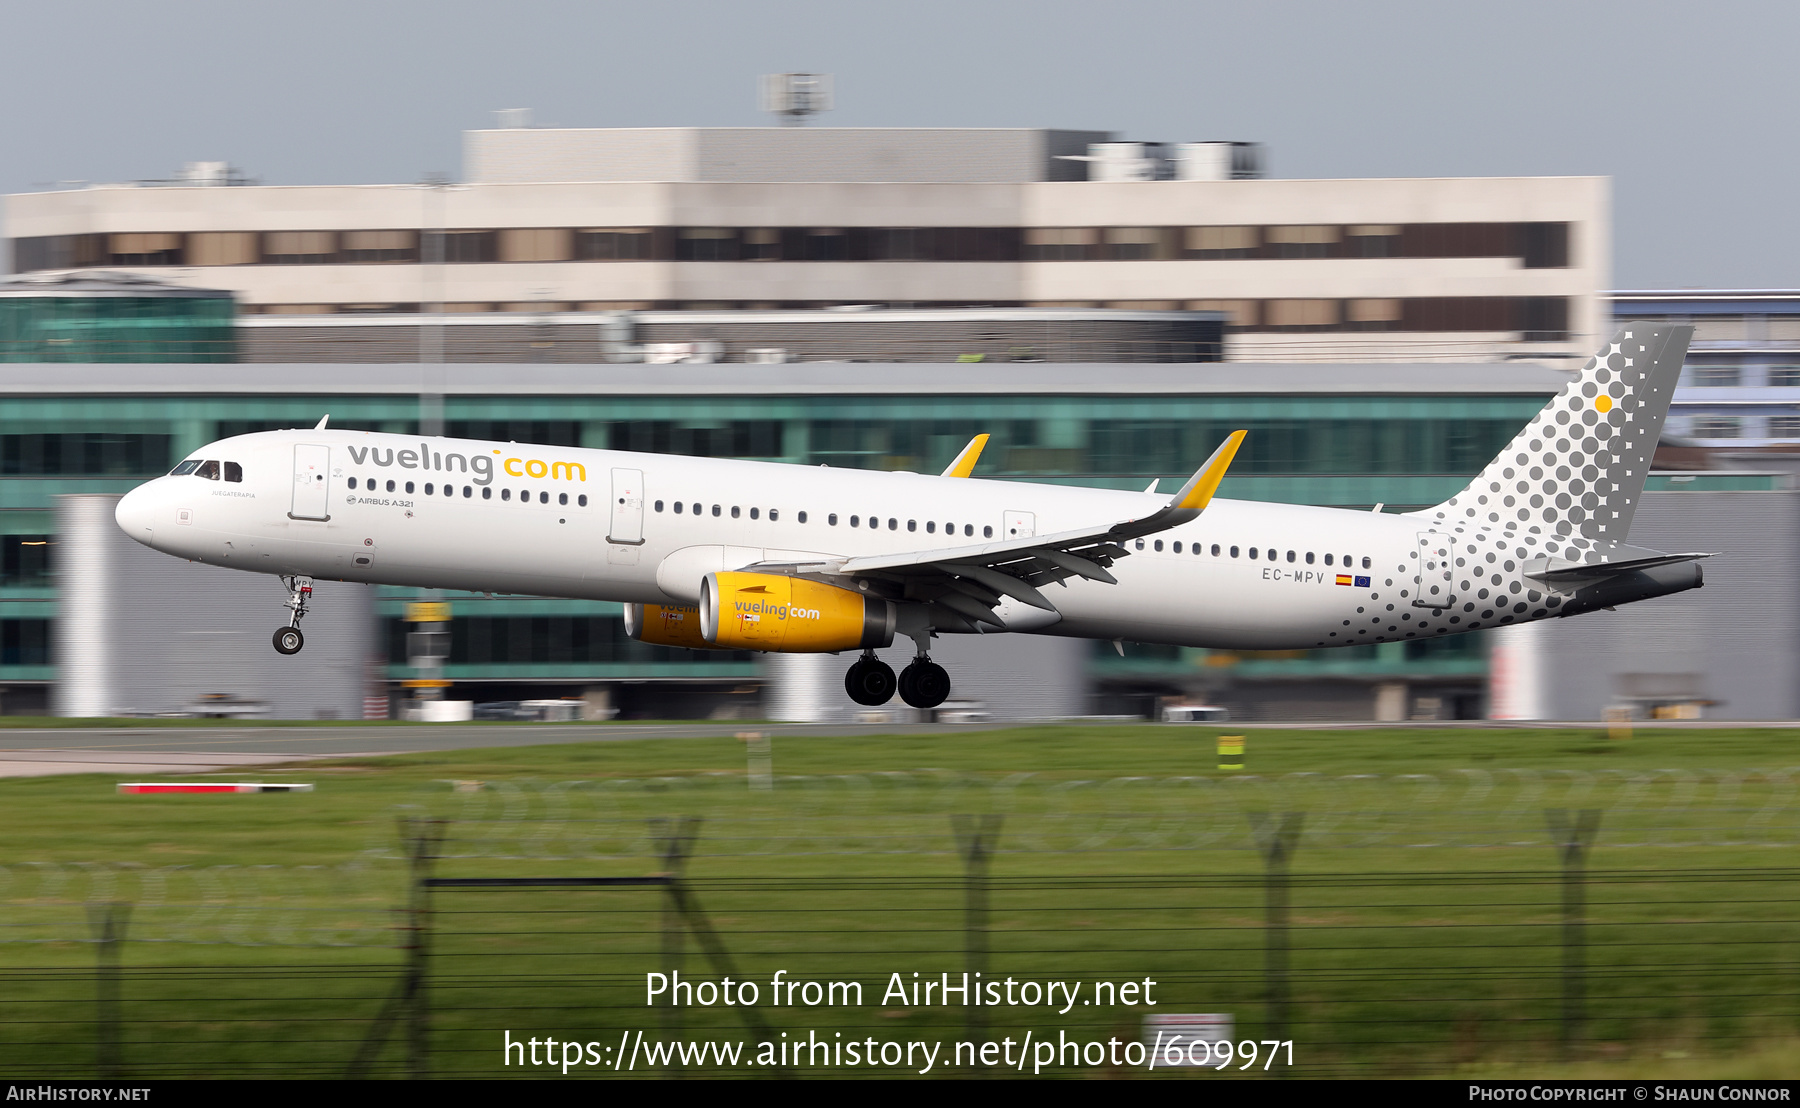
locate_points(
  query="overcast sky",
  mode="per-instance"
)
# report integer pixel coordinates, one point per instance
(1689, 108)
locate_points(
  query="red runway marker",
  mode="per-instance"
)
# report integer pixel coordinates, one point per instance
(211, 787)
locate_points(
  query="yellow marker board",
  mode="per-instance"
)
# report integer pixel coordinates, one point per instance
(1231, 752)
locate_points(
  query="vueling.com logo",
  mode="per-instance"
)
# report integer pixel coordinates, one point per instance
(480, 465)
(779, 611)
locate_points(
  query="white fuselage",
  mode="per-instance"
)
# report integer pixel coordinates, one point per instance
(521, 528)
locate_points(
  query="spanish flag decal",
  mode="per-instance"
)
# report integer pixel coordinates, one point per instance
(1343, 578)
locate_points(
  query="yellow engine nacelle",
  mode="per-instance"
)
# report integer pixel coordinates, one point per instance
(790, 615)
(665, 625)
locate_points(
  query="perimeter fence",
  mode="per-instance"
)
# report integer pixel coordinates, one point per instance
(1380, 925)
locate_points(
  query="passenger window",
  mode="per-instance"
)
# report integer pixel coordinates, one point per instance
(855, 520)
(734, 511)
(1327, 559)
(188, 467)
(1290, 557)
(409, 486)
(1365, 562)
(1309, 557)
(986, 532)
(487, 493)
(543, 498)
(234, 472)
(912, 525)
(931, 527)
(467, 492)
(1234, 551)
(353, 483)
(893, 524)
(1176, 547)
(208, 470)
(715, 511)
(775, 515)
(565, 500)
(1158, 545)
(1215, 549)
(802, 517)
(582, 500)
(505, 494)
(678, 507)
(753, 512)
(1253, 553)
(430, 488)
(969, 530)
(831, 520)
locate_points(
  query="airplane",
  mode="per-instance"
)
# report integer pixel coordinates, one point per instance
(721, 554)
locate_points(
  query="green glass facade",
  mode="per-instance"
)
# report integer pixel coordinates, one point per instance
(117, 329)
(1347, 451)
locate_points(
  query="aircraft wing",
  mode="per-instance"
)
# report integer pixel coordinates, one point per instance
(967, 583)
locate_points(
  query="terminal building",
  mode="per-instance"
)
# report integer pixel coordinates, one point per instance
(555, 221)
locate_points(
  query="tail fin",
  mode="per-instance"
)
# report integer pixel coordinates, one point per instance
(1578, 467)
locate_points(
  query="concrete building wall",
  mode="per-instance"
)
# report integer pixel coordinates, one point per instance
(1736, 641)
(154, 634)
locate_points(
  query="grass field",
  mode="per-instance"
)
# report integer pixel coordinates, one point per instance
(1426, 922)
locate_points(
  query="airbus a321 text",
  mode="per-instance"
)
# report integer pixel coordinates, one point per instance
(709, 553)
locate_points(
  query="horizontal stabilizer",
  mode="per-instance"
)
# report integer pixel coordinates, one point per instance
(1559, 571)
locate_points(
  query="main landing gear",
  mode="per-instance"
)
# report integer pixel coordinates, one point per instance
(289, 640)
(923, 684)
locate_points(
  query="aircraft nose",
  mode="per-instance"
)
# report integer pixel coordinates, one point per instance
(136, 513)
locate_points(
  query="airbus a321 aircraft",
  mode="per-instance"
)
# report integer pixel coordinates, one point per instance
(709, 553)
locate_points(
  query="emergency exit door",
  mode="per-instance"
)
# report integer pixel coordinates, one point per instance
(1437, 571)
(312, 485)
(627, 527)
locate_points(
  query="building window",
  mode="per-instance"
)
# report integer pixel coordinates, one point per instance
(24, 560)
(1544, 245)
(760, 244)
(1301, 315)
(1784, 427)
(1223, 242)
(300, 247)
(24, 642)
(1714, 375)
(1372, 240)
(222, 248)
(613, 244)
(1717, 427)
(1307, 241)
(1060, 244)
(1784, 376)
(84, 454)
(1132, 244)
(536, 244)
(59, 252)
(820, 244)
(706, 244)
(381, 246)
(159, 248)
(1372, 315)
(460, 247)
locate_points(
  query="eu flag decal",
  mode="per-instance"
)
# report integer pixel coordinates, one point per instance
(1362, 582)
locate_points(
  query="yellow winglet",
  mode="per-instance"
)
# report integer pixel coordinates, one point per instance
(965, 462)
(1199, 491)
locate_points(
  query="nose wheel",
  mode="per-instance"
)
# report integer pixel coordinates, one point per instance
(924, 684)
(289, 640)
(870, 681)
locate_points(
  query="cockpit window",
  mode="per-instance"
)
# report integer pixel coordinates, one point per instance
(208, 470)
(234, 472)
(185, 468)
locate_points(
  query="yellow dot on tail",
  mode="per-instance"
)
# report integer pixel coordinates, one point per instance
(1603, 403)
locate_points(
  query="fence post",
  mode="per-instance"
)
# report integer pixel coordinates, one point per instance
(1277, 843)
(674, 840)
(422, 839)
(976, 837)
(1572, 838)
(107, 922)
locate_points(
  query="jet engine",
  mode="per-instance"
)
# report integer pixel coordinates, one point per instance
(790, 615)
(665, 625)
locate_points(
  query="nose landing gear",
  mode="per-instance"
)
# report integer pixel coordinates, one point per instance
(870, 681)
(289, 640)
(924, 684)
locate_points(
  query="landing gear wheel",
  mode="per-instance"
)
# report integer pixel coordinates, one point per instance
(289, 640)
(870, 682)
(924, 684)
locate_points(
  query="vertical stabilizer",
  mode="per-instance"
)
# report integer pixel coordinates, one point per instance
(1578, 467)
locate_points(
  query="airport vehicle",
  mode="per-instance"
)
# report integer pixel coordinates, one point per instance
(714, 553)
